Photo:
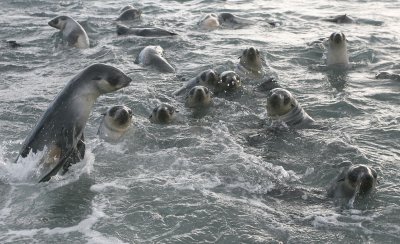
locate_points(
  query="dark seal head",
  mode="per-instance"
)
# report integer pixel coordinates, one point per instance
(163, 114)
(251, 60)
(199, 97)
(230, 81)
(59, 132)
(129, 13)
(358, 179)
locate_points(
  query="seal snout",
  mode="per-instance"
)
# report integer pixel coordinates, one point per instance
(275, 100)
(362, 177)
(123, 116)
(164, 114)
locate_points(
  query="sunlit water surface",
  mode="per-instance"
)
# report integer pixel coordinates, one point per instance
(205, 179)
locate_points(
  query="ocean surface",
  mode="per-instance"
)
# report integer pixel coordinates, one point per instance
(224, 177)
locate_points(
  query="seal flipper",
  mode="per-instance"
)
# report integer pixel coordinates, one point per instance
(69, 151)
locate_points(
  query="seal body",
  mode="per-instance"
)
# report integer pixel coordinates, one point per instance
(358, 179)
(387, 75)
(341, 19)
(283, 107)
(71, 30)
(199, 97)
(129, 13)
(229, 18)
(209, 21)
(59, 132)
(115, 123)
(250, 62)
(148, 31)
(153, 56)
(208, 78)
(163, 114)
(337, 50)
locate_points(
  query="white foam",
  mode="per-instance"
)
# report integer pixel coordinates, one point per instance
(103, 187)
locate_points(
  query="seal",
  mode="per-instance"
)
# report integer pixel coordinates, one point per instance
(355, 180)
(207, 78)
(115, 123)
(199, 97)
(163, 114)
(71, 30)
(337, 51)
(148, 31)
(129, 13)
(59, 132)
(283, 107)
(153, 56)
(341, 19)
(387, 75)
(250, 62)
(209, 21)
(230, 81)
(228, 18)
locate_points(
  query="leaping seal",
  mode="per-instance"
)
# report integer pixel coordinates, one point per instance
(163, 114)
(358, 179)
(283, 107)
(250, 62)
(71, 30)
(207, 78)
(337, 51)
(199, 97)
(153, 55)
(147, 31)
(115, 123)
(129, 13)
(59, 132)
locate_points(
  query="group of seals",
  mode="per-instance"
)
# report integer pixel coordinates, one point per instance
(59, 132)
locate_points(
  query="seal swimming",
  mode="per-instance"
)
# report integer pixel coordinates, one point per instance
(129, 13)
(153, 55)
(199, 97)
(337, 51)
(341, 19)
(147, 31)
(283, 107)
(209, 21)
(163, 114)
(207, 78)
(355, 180)
(250, 62)
(230, 81)
(71, 30)
(59, 131)
(212, 21)
(116, 121)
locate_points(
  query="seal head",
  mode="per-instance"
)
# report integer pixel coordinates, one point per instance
(115, 123)
(250, 61)
(337, 50)
(230, 81)
(199, 97)
(163, 114)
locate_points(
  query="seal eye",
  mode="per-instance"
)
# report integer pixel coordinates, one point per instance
(203, 76)
(113, 80)
(97, 78)
(63, 18)
(286, 100)
(223, 78)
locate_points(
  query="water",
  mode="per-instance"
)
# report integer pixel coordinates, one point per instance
(203, 179)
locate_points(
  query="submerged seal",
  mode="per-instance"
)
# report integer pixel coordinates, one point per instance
(283, 107)
(341, 19)
(209, 21)
(250, 62)
(71, 30)
(115, 123)
(207, 78)
(199, 97)
(232, 19)
(163, 114)
(147, 31)
(387, 75)
(358, 179)
(337, 50)
(59, 132)
(153, 55)
(129, 13)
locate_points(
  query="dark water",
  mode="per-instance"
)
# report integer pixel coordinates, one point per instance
(203, 179)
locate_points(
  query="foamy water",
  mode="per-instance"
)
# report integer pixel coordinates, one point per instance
(222, 177)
